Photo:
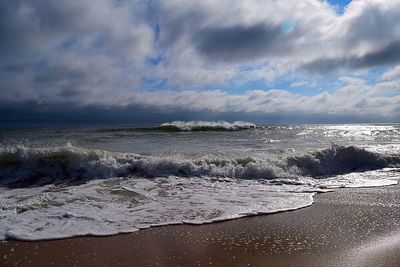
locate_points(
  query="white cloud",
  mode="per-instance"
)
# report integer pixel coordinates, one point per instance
(392, 74)
(304, 84)
(355, 98)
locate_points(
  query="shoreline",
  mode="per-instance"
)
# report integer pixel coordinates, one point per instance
(336, 229)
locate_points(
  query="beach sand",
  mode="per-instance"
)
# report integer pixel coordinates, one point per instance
(348, 227)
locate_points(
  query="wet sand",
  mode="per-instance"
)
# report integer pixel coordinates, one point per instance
(349, 227)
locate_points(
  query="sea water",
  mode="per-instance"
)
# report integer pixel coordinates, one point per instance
(70, 181)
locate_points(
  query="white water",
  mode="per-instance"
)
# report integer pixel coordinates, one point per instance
(62, 191)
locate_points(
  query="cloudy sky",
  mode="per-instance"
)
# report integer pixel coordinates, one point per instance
(151, 61)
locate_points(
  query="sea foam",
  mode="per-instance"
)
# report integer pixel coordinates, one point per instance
(58, 192)
(22, 166)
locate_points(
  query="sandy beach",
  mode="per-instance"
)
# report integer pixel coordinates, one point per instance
(348, 227)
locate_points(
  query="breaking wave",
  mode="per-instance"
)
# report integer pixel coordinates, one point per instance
(21, 167)
(340, 160)
(198, 126)
(188, 126)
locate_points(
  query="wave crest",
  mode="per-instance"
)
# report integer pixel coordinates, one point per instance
(20, 167)
(340, 160)
(197, 126)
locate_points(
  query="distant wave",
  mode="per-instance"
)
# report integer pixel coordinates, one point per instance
(187, 126)
(197, 126)
(20, 166)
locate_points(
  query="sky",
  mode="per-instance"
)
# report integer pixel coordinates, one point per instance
(151, 61)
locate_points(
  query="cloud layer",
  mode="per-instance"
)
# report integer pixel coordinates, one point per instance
(191, 56)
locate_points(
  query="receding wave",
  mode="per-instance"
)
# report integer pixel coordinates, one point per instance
(20, 166)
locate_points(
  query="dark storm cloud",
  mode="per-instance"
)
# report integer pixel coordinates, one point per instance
(374, 23)
(204, 27)
(60, 73)
(239, 43)
(27, 28)
(14, 34)
(389, 55)
(386, 56)
(39, 113)
(13, 68)
(63, 49)
(174, 24)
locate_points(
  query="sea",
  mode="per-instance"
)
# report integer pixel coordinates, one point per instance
(63, 181)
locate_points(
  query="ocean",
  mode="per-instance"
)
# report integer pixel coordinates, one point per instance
(62, 182)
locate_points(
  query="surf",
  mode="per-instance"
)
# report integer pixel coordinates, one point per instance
(24, 166)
